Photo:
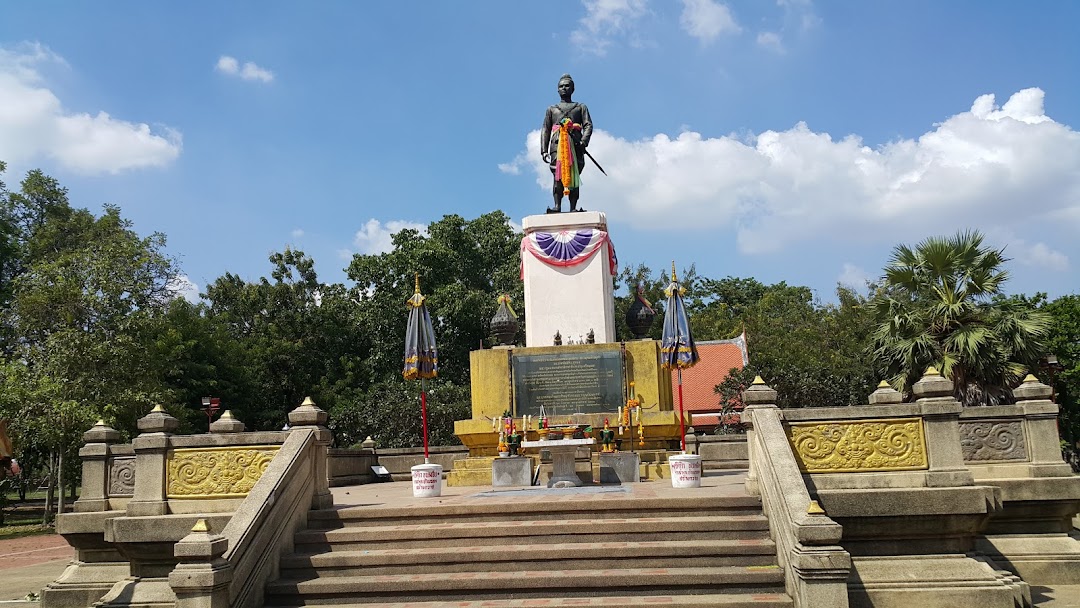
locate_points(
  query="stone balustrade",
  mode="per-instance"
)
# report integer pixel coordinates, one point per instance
(894, 476)
(140, 500)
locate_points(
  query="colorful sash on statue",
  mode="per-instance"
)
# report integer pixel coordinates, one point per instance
(566, 168)
(567, 248)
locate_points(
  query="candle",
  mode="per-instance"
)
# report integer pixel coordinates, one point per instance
(494, 424)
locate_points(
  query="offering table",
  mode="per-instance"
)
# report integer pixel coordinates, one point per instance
(563, 473)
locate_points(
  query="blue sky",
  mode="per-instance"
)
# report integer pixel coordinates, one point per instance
(786, 140)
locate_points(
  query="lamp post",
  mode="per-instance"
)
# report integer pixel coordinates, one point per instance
(1053, 368)
(210, 405)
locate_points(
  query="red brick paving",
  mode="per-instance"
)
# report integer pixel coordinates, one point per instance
(31, 550)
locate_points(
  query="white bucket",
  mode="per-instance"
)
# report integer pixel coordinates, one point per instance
(685, 470)
(427, 480)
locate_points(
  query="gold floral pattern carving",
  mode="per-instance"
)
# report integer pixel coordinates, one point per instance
(216, 472)
(859, 446)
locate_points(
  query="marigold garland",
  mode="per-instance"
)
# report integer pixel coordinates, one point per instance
(566, 166)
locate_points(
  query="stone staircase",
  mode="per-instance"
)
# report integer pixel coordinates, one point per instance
(541, 550)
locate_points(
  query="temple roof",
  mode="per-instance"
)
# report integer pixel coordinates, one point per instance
(718, 357)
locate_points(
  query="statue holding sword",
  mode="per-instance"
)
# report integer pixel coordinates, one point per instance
(564, 138)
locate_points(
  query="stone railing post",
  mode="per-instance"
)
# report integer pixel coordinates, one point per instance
(311, 416)
(759, 396)
(227, 424)
(201, 579)
(691, 441)
(95, 468)
(1040, 418)
(941, 417)
(151, 449)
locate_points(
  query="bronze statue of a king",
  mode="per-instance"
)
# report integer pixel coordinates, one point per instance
(564, 138)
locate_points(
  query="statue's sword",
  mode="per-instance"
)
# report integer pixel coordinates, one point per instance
(594, 162)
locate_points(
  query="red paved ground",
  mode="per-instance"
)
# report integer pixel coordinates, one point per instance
(31, 550)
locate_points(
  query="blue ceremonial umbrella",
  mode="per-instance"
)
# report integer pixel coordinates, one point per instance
(677, 348)
(421, 356)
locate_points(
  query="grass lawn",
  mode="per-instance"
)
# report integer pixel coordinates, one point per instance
(24, 518)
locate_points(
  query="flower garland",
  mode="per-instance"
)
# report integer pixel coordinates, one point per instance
(566, 168)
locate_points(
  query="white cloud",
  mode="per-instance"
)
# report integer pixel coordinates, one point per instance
(1039, 255)
(297, 233)
(248, 71)
(779, 188)
(604, 21)
(771, 41)
(1035, 255)
(707, 19)
(516, 227)
(375, 237)
(185, 288)
(35, 125)
(853, 276)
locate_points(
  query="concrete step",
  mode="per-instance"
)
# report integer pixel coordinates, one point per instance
(613, 507)
(733, 600)
(474, 586)
(725, 465)
(719, 527)
(514, 558)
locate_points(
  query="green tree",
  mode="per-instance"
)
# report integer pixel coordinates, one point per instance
(1064, 342)
(291, 336)
(813, 354)
(85, 296)
(937, 307)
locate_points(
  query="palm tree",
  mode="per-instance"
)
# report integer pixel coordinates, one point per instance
(941, 304)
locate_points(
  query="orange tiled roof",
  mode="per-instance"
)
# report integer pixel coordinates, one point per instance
(699, 382)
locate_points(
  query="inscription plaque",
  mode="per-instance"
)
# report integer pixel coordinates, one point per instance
(568, 383)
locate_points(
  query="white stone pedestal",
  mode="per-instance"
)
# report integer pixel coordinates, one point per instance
(571, 300)
(563, 471)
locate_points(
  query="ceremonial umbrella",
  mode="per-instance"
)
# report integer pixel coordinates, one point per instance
(421, 356)
(677, 348)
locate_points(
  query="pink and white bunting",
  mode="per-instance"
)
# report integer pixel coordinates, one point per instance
(567, 247)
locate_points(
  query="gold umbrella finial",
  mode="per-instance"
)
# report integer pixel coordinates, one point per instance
(417, 275)
(674, 278)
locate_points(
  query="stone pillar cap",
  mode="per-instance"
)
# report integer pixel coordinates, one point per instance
(158, 421)
(308, 414)
(368, 444)
(201, 544)
(101, 433)
(759, 393)
(933, 384)
(885, 394)
(227, 424)
(1032, 390)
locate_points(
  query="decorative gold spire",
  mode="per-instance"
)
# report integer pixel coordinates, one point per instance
(227, 415)
(1030, 378)
(417, 298)
(674, 278)
(884, 384)
(932, 371)
(157, 408)
(308, 402)
(758, 381)
(201, 526)
(814, 508)
(100, 422)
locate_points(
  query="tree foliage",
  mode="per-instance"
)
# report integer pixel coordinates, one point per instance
(939, 305)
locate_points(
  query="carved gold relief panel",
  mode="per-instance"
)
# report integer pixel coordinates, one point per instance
(216, 472)
(859, 446)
